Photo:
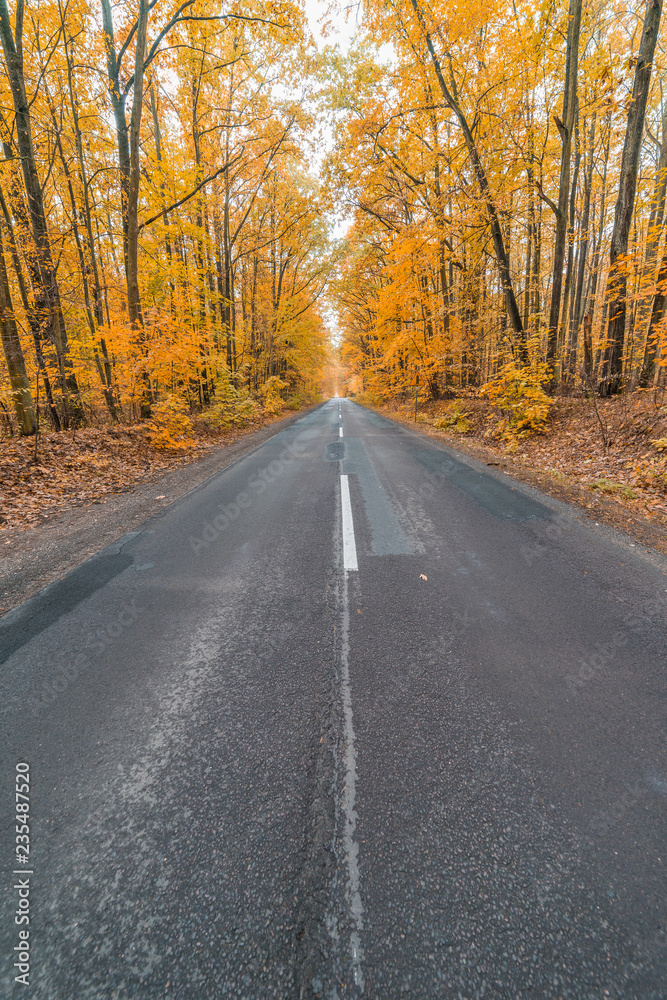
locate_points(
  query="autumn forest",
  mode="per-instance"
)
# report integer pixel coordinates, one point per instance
(203, 210)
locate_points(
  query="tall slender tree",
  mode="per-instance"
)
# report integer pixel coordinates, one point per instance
(47, 294)
(612, 358)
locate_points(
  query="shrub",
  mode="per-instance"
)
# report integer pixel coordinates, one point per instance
(170, 428)
(232, 407)
(607, 486)
(454, 419)
(272, 400)
(303, 397)
(230, 413)
(518, 394)
(369, 398)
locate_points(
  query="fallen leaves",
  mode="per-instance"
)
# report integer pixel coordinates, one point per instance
(76, 470)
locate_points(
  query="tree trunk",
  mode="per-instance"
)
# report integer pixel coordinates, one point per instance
(536, 275)
(439, 218)
(583, 253)
(47, 294)
(565, 127)
(133, 295)
(228, 293)
(104, 371)
(570, 247)
(85, 186)
(597, 250)
(117, 98)
(165, 214)
(132, 258)
(11, 345)
(655, 224)
(612, 359)
(32, 318)
(104, 366)
(530, 235)
(657, 315)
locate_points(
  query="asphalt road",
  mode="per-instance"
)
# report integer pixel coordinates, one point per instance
(357, 717)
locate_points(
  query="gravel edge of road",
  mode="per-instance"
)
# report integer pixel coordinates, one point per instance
(32, 558)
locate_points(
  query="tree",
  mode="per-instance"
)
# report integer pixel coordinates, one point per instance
(11, 345)
(482, 179)
(565, 127)
(612, 361)
(428, 224)
(47, 295)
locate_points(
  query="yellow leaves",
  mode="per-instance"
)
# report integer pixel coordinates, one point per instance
(454, 419)
(271, 395)
(232, 407)
(523, 404)
(171, 428)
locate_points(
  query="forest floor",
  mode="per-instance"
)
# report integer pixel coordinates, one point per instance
(91, 487)
(623, 484)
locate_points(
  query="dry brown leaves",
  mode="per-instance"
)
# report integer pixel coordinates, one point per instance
(630, 471)
(77, 469)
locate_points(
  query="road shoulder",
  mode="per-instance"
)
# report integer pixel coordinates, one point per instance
(598, 509)
(31, 558)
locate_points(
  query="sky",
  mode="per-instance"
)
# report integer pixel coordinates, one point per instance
(341, 31)
(343, 26)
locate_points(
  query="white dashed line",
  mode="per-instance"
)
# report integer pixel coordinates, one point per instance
(340, 432)
(349, 545)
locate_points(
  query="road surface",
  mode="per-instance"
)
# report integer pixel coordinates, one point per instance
(357, 717)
